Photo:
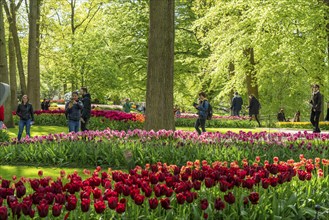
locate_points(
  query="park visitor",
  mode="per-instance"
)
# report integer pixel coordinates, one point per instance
(202, 108)
(86, 110)
(254, 107)
(316, 103)
(73, 112)
(45, 104)
(127, 106)
(25, 113)
(236, 105)
(281, 116)
(297, 117)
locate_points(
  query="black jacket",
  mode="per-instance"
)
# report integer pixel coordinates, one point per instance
(25, 112)
(254, 106)
(86, 101)
(316, 102)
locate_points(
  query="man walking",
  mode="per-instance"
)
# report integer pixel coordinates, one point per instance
(237, 103)
(86, 110)
(316, 103)
(202, 112)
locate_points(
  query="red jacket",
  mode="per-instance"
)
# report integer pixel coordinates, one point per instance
(2, 113)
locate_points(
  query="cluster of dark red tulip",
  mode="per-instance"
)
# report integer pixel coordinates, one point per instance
(159, 185)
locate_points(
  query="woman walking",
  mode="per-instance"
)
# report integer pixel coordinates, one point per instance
(25, 113)
(254, 107)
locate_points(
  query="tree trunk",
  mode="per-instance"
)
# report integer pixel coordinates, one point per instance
(4, 76)
(160, 72)
(11, 15)
(33, 55)
(12, 73)
(252, 86)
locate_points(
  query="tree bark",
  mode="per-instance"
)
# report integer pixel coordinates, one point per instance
(4, 75)
(12, 73)
(11, 15)
(160, 72)
(251, 80)
(33, 55)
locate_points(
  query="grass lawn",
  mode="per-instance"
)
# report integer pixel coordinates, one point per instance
(6, 172)
(37, 130)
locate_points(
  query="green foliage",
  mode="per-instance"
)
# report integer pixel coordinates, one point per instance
(125, 153)
(4, 136)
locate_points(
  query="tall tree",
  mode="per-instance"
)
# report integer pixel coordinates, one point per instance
(11, 16)
(4, 68)
(160, 72)
(12, 73)
(33, 54)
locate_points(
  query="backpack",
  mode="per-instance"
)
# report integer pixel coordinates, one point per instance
(209, 112)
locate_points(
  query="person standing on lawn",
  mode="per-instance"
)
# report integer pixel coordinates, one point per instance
(316, 103)
(237, 103)
(86, 111)
(73, 112)
(127, 106)
(281, 116)
(202, 112)
(25, 113)
(254, 107)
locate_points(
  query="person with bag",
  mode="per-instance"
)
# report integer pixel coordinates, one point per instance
(25, 113)
(202, 112)
(254, 106)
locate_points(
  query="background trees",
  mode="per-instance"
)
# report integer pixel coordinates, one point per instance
(274, 49)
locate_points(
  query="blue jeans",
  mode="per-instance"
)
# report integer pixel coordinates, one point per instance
(21, 125)
(1, 124)
(200, 122)
(74, 126)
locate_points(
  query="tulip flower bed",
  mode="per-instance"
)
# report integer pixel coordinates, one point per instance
(100, 120)
(127, 149)
(198, 190)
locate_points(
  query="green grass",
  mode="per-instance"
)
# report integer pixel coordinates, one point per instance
(37, 130)
(224, 130)
(6, 172)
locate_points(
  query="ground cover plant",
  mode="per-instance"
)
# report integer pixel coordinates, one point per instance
(137, 147)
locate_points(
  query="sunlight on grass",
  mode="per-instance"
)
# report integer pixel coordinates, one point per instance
(37, 130)
(224, 130)
(7, 172)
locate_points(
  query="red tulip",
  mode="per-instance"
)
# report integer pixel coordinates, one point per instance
(26, 206)
(180, 198)
(97, 193)
(165, 203)
(153, 203)
(1, 201)
(265, 183)
(3, 213)
(43, 208)
(204, 204)
(209, 182)
(40, 173)
(5, 183)
(71, 203)
(205, 215)
(229, 198)
(85, 204)
(20, 191)
(35, 184)
(112, 202)
(56, 210)
(219, 204)
(254, 197)
(139, 199)
(121, 208)
(197, 185)
(99, 206)
(60, 199)
(189, 197)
